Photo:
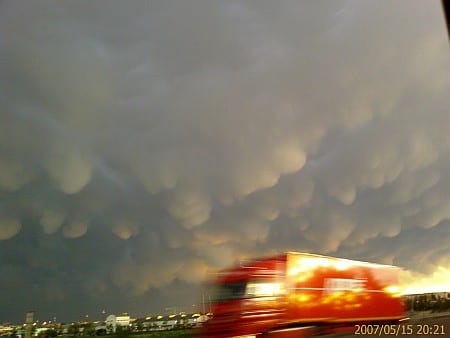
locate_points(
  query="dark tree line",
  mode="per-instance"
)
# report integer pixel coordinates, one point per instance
(427, 302)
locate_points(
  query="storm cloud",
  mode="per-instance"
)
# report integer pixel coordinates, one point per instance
(145, 144)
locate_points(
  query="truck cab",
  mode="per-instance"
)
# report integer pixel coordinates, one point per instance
(299, 294)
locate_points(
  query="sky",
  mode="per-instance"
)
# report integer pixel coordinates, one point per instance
(145, 144)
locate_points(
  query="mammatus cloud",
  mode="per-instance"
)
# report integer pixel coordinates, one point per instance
(124, 229)
(75, 229)
(51, 221)
(12, 174)
(9, 227)
(190, 208)
(69, 169)
(144, 145)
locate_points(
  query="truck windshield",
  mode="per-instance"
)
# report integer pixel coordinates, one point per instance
(245, 289)
(228, 291)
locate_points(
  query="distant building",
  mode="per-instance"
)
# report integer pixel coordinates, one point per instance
(113, 321)
(6, 329)
(168, 322)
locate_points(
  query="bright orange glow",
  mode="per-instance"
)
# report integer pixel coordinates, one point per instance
(393, 290)
(302, 264)
(302, 298)
(303, 267)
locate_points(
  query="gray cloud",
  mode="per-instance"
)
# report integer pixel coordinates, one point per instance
(51, 221)
(144, 145)
(9, 227)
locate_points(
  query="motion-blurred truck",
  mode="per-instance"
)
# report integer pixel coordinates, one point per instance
(301, 295)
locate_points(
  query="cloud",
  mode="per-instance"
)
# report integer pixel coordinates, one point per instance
(75, 229)
(189, 207)
(9, 227)
(144, 145)
(69, 169)
(51, 221)
(416, 283)
(13, 175)
(125, 229)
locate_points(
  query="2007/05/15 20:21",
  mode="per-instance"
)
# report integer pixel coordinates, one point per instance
(399, 329)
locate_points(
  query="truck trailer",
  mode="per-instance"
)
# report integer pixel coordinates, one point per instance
(300, 294)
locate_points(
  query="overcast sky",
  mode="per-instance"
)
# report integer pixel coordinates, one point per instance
(146, 143)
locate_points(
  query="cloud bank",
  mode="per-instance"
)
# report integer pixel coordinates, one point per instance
(144, 145)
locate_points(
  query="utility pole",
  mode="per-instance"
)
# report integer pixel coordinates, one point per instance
(203, 302)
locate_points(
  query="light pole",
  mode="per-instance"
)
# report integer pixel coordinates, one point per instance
(172, 308)
(203, 302)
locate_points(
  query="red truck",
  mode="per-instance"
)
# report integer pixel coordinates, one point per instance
(300, 295)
